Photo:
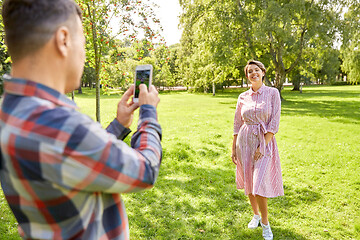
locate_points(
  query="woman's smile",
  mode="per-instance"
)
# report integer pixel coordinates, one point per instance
(255, 77)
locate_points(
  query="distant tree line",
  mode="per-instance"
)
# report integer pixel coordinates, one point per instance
(301, 41)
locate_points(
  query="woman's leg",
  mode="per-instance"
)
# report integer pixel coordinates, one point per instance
(254, 204)
(262, 204)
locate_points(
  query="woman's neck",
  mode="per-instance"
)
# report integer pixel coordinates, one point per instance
(256, 86)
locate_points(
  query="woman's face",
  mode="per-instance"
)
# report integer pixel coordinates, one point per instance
(254, 73)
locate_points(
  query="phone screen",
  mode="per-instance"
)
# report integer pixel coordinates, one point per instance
(142, 76)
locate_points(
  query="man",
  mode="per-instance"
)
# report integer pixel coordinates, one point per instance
(61, 172)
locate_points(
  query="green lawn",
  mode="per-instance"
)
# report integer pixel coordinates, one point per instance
(195, 196)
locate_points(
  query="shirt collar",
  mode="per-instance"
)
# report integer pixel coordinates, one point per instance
(22, 87)
(259, 91)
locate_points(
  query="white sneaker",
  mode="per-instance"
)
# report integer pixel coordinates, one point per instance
(254, 223)
(267, 233)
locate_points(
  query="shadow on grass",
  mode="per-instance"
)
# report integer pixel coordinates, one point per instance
(324, 93)
(336, 110)
(191, 201)
(279, 233)
(293, 198)
(321, 102)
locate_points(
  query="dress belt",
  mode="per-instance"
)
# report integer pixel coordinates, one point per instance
(260, 131)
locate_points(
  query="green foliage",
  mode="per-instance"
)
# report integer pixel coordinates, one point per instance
(8, 224)
(195, 196)
(223, 35)
(5, 60)
(351, 43)
(104, 22)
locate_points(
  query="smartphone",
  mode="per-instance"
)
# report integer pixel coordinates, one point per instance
(143, 74)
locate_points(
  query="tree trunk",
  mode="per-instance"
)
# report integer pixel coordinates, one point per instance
(97, 62)
(80, 90)
(72, 95)
(280, 76)
(296, 84)
(213, 88)
(97, 79)
(267, 82)
(245, 30)
(296, 87)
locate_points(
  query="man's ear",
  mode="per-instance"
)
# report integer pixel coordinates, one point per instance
(62, 41)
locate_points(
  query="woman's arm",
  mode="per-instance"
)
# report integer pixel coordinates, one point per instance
(233, 155)
(238, 121)
(273, 125)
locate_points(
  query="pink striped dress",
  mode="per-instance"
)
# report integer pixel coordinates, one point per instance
(256, 114)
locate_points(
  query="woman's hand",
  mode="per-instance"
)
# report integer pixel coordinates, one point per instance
(257, 154)
(233, 156)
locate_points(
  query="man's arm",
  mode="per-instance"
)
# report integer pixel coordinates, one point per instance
(96, 161)
(118, 129)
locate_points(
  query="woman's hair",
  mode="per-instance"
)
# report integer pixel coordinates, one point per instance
(257, 63)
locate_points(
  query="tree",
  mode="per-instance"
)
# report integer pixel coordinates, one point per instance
(162, 74)
(173, 64)
(277, 31)
(88, 76)
(211, 48)
(350, 48)
(100, 18)
(5, 60)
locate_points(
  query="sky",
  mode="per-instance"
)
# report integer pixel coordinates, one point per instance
(168, 13)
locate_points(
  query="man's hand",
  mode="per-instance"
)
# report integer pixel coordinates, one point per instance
(148, 97)
(125, 110)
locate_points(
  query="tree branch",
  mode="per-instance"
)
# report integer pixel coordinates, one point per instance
(302, 37)
(246, 33)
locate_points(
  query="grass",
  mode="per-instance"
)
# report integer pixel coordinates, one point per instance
(195, 196)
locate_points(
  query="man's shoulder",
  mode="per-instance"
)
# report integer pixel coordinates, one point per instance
(29, 107)
(46, 117)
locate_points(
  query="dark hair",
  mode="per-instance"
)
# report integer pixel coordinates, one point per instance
(257, 63)
(30, 24)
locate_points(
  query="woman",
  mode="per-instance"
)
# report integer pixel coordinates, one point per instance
(254, 150)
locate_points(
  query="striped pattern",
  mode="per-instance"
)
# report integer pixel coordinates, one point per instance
(62, 173)
(256, 114)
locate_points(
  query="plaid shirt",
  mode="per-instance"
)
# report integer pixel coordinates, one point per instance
(62, 173)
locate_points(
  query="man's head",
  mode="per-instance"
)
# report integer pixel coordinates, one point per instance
(30, 25)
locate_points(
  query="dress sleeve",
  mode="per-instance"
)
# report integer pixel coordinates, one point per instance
(274, 120)
(238, 121)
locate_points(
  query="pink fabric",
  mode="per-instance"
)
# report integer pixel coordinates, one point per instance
(256, 114)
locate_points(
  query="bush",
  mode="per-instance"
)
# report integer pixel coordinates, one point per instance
(343, 83)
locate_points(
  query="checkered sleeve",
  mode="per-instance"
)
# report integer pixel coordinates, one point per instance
(96, 161)
(118, 129)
